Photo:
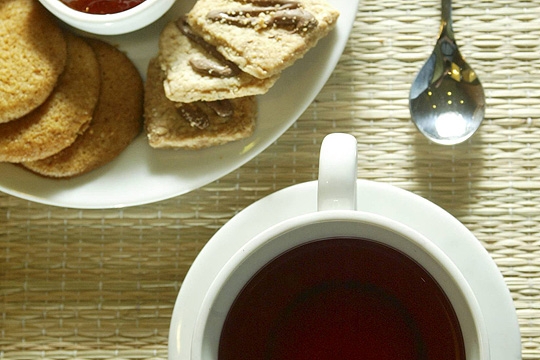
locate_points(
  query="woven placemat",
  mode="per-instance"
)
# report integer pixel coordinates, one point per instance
(101, 284)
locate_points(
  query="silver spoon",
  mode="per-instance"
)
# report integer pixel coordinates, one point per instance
(446, 100)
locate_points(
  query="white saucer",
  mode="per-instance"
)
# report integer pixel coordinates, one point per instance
(427, 218)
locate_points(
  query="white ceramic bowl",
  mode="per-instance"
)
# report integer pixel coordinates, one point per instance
(111, 24)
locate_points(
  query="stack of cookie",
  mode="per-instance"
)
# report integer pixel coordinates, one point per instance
(67, 105)
(201, 88)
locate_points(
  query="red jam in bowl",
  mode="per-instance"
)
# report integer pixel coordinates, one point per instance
(102, 6)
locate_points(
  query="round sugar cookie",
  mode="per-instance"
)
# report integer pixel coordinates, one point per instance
(117, 119)
(32, 57)
(65, 114)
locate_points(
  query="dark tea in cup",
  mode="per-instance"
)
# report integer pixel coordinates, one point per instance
(338, 283)
(341, 298)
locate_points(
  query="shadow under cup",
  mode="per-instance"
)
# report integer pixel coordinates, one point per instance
(335, 285)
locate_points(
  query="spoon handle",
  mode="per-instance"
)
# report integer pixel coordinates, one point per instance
(446, 18)
(446, 11)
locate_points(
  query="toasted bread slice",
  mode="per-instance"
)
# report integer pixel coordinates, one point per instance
(178, 125)
(262, 37)
(196, 72)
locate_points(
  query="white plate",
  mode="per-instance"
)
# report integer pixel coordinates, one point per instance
(143, 175)
(433, 222)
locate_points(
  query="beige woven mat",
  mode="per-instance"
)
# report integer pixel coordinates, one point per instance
(100, 284)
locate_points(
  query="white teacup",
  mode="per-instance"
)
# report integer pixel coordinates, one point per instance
(338, 220)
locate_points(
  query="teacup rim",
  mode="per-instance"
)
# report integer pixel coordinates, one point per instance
(291, 224)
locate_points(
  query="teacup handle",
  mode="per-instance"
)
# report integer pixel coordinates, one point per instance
(337, 173)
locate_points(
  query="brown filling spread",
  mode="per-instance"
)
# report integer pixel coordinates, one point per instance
(205, 66)
(222, 108)
(194, 115)
(197, 117)
(194, 112)
(264, 14)
(218, 67)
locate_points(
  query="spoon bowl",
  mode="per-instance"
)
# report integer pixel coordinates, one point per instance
(446, 99)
